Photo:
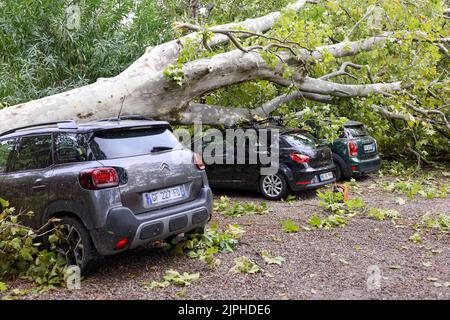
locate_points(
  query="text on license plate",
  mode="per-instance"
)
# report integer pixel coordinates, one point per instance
(326, 176)
(164, 195)
(369, 147)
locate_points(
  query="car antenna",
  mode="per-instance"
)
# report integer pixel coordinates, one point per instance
(121, 107)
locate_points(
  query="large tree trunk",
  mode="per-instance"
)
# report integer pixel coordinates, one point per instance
(144, 89)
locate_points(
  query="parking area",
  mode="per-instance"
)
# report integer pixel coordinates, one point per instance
(336, 263)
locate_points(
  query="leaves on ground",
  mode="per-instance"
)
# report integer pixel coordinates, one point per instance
(223, 206)
(269, 259)
(289, 226)
(245, 265)
(172, 277)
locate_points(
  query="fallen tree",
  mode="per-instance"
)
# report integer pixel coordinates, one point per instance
(170, 81)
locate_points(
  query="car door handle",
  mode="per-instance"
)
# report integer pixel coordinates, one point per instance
(38, 187)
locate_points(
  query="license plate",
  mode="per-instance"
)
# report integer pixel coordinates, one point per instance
(164, 195)
(369, 147)
(326, 176)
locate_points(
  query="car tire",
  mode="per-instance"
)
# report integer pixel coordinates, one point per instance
(76, 245)
(273, 187)
(338, 172)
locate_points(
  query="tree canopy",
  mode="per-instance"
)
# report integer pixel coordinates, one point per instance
(382, 62)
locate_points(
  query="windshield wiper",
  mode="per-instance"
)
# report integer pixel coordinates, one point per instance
(161, 148)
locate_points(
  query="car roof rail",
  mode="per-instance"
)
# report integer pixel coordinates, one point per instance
(130, 117)
(66, 124)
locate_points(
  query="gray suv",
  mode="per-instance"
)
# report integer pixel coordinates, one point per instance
(114, 184)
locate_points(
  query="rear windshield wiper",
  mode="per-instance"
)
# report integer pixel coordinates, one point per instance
(160, 148)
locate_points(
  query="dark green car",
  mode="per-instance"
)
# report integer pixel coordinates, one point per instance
(355, 153)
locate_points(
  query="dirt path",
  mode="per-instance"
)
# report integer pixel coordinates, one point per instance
(320, 264)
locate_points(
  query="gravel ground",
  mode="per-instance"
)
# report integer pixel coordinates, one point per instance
(320, 264)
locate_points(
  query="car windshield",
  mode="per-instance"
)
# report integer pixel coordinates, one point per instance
(113, 144)
(356, 131)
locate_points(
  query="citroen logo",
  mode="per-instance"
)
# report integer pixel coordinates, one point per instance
(165, 167)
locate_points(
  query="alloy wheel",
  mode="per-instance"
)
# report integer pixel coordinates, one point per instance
(71, 245)
(272, 185)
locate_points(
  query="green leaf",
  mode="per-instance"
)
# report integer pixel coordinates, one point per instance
(245, 265)
(289, 226)
(272, 260)
(315, 221)
(3, 286)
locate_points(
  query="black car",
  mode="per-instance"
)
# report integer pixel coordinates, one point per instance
(304, 163)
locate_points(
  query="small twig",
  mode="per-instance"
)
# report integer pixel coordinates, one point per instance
(342, 71)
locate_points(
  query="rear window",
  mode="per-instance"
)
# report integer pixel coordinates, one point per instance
(357, 131)
(113, 144)
(301, 139)
(70, 147)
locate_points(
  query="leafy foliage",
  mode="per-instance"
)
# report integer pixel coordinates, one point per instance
(423, 187)
(419, 64)
(416, 237)
(339, 211)
(172, 277)
(224, 207)
(289, 226)
(43, 54)
(381, 214)
(334, 203)
(245, 265)
(204, 247)
(20, 254)
(269, 259)
(435, 220)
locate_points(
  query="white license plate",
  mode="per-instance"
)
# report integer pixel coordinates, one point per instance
(326, 176)
(164, 195)
(369, 147)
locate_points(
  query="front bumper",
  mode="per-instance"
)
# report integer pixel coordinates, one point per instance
(309, 178)
(362, 166)
(143, 228)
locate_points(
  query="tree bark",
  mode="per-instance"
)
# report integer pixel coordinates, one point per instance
(144, 89)
(141, 88)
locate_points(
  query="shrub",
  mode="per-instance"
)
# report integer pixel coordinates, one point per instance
(21, 256)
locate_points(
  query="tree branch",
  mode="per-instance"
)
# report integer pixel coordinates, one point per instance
(157, 58)
(342, 71)
(323, 87)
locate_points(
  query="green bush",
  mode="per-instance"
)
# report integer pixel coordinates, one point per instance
(21, 256)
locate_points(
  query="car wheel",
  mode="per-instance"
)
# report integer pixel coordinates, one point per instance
(76, 246)
(273, 187)
(338, 172)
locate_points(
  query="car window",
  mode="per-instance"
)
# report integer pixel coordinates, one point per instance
(70, 147)
(301, 139)
(356, 131)
(113, 144)
(6, 147)
(33, 153)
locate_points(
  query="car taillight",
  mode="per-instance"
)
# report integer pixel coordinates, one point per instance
(99, 178)
(299, 158)
(199, 161)
(352, 149)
